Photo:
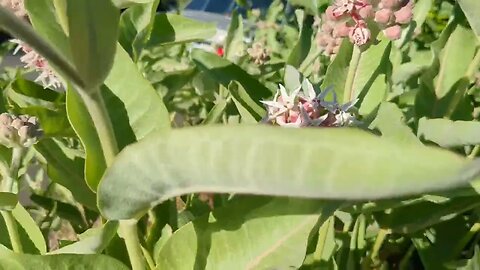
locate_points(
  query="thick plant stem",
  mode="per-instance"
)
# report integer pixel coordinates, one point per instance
(129, 232)
(98, 111)
(12, 231)
(17, 156)
(11, 224)
(352, 71)
(103, 125)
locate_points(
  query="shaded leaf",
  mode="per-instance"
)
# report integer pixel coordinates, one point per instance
(248, 108)
(127, 3)
(66, 170)
(250, 233)
(470, 8)
(234, 43)
(31, 229)
(251, 159)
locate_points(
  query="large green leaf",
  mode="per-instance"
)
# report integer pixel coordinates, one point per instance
(371, 64)
(93, 32)
(171, 28)
(471, 8)
(447, 133)
(134, 107)
(10, 260)
(314, 163)
(225, 71)
(250, 111)
(250, 233)
(455, 59)
(302, 47)
(67, 170)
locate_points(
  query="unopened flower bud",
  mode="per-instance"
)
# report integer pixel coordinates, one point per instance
(393, 32)
(329, 13)
(5, 119)
(383, 16)
(7, 135)
(404, 15)
(360, 34)
(388, 3)
(365, 12)
(342, 30)
(23, 134)
(17, 123)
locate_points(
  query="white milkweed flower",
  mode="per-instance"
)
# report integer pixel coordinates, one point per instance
(303, 108)
(35, 62)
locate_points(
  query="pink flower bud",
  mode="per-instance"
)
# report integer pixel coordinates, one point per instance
(341, 30)
(359, 34)
(388, 3)
(322, 41)
(393, 32)
(342, 7)
(329, 13)
(327, 28)
(404, 15)
(366, 11)
(383, 16)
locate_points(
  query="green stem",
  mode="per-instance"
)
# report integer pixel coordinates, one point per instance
(22, 30)
(98, 111)
(406, 259)
(352, 71)
(474, 152)
(148, 257)
(17, 157)
(130, 234)
(382, 234)
(12, 231)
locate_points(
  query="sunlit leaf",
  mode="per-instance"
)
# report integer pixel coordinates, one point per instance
(315, 163)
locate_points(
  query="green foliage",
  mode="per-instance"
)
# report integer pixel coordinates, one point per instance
(111, 185)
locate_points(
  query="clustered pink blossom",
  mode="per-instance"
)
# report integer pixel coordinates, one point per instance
(32, 60)
(350, 17)
(35, 62)
(304, 108)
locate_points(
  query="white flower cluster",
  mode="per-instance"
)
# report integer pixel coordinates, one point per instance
(32, 60)
(19, 131)
(304, 108)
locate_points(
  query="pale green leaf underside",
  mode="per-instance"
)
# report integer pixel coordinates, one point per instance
(8, 201)
(471, 8)
(447, 133)
(311, 163)
(250, 233)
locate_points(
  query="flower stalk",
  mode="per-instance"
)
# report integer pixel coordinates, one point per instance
(352, 71)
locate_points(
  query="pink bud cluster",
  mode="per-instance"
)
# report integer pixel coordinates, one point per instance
(35, 62)
(304, 108)
(330, 35)
(351, 16)
(32, 60)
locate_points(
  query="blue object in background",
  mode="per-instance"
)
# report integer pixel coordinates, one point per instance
(223, 6)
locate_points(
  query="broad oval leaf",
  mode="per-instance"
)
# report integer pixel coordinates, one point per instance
(447, 133)
(93, 32)
(249, 233)
(312, 163)
(10, 260)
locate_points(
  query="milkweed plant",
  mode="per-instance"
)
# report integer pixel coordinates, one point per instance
(339, 134)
